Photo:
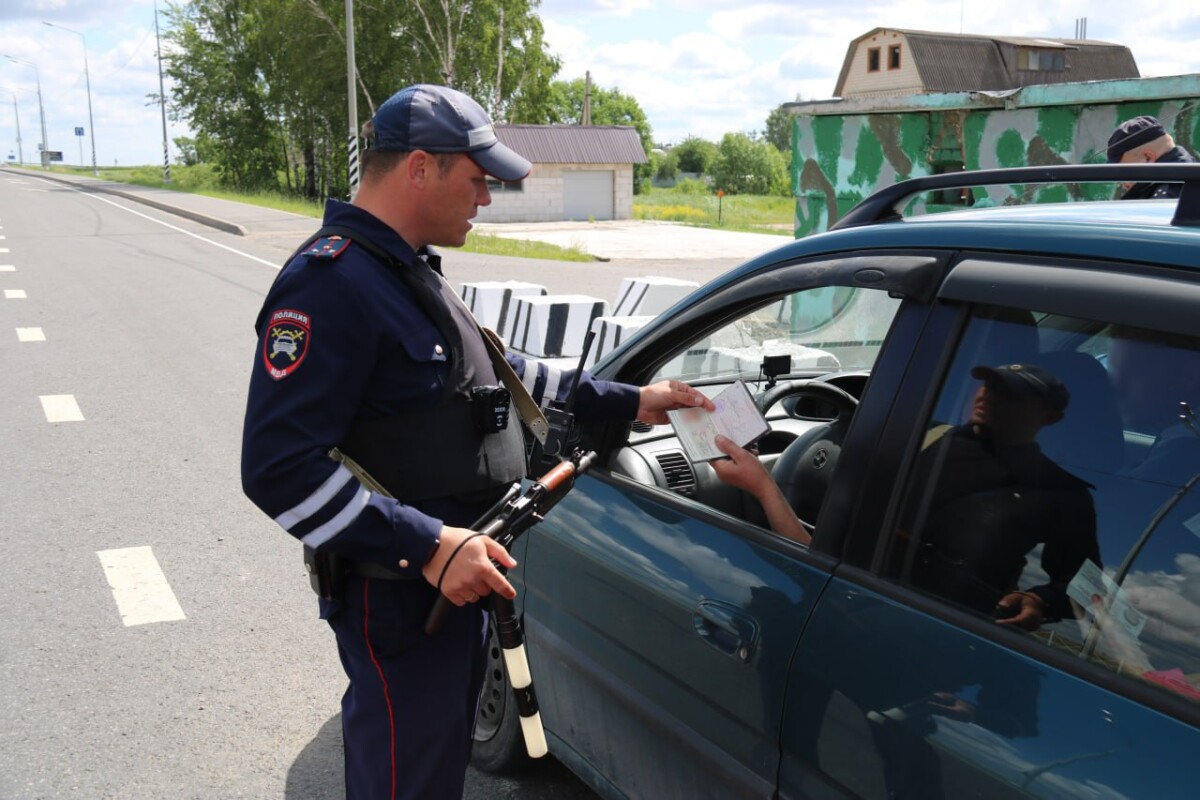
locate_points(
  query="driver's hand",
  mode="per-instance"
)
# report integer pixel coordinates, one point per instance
(742, 469)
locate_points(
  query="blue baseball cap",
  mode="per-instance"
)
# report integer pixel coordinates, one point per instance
(438, 119)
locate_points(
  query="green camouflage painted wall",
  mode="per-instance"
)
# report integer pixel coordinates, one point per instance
(839, 159)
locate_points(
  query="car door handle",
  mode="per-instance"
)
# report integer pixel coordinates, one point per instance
(727, 628)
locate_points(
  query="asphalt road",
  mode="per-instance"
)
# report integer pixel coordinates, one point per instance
(143, 321)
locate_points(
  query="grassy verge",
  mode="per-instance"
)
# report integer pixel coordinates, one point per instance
(201, 180)
(754, 213)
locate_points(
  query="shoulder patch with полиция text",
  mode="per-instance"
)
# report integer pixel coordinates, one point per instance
(286, 342)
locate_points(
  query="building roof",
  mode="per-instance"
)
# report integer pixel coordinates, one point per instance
(957, 62)
(574, 144)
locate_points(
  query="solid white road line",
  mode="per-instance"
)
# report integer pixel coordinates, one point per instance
(61, 408)
(14, 294)
(30, 335)
(176, 229)
(139, 586)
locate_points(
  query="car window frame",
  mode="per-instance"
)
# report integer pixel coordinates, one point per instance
(910, 274)
(988, 280)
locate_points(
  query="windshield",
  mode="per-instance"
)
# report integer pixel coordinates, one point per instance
(828, 329)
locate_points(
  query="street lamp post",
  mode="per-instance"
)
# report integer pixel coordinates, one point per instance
(41, 110)
(17, 117)
(88, 80)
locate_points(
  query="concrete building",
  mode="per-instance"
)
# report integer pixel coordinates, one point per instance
(580, 172)
(845, 149)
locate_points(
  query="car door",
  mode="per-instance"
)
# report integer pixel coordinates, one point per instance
(662, 628)
(910, 686)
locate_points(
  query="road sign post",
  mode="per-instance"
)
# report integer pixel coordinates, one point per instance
(79, 136)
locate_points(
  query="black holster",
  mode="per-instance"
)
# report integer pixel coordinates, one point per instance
(327, 573)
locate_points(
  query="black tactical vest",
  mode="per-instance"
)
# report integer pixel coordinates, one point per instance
(436, 452)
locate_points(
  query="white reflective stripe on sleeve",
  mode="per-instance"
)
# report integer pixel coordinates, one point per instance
(529, 375)
(338, 524)
(317, 500)
(553, 378)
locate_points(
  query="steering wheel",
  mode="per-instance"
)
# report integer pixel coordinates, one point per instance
(806, 465)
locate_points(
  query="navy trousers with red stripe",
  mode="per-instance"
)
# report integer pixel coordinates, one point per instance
(408, 714)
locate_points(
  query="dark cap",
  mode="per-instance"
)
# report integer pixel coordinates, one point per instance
(438, 119)
(1133, 133)
(1027, 380)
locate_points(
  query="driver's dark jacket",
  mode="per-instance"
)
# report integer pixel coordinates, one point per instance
(371, 352)
(991, 506)
(1155, 191)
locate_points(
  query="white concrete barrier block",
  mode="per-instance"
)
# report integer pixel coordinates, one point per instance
(650, 295)
(612, 331)
(491, 301)
(553, 326)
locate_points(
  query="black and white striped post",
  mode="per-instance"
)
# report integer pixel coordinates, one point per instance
(352, 98)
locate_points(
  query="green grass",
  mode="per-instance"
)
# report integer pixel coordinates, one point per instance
(755, 213)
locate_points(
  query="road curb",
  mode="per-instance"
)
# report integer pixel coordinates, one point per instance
(195, 216)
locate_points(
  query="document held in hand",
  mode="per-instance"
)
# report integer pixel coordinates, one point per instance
(736, 417)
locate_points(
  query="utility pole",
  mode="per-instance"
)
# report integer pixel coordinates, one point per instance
(88, 80)
(162, 100)
(17, 116)
(352, 93)
(41, 109)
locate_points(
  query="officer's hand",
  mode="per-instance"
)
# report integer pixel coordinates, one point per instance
(468, 574)
(659, 398)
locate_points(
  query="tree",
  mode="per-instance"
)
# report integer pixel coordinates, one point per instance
(779, 129)
(745, 166)
(246, 75)
(695, 155)
(665, 166)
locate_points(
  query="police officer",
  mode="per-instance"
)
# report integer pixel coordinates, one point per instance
(1143, 140)
(364, 347)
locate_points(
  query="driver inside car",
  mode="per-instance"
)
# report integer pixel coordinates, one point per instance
(993, 497)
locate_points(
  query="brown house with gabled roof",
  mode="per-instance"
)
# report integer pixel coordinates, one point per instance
(580, 172)
(895, 61)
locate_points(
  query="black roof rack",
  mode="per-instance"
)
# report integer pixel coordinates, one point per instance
(884, 205)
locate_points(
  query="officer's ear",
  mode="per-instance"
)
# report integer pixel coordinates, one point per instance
(417, 167)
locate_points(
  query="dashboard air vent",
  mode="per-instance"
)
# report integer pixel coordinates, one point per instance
(642, 427)
(678, 471)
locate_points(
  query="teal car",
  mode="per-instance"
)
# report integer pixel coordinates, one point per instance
(993, 603)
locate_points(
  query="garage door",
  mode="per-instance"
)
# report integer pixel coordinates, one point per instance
(588, 195)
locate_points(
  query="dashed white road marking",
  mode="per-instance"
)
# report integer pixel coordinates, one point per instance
(14, 294)
(3, 249)
(8, 268)
(139, 586)
(61, 408)
(30, 335)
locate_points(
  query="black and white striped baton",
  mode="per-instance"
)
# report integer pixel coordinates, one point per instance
(513, 519)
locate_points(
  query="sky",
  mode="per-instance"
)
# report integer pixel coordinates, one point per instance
(696, 67)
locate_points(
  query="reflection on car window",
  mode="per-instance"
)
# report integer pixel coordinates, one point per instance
(823, 330)
(1055, 491)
